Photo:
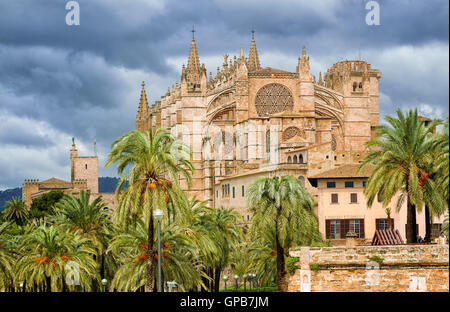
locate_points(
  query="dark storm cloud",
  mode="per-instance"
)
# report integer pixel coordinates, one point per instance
(84, 81)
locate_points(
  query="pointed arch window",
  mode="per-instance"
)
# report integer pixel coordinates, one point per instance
(295, 159)
(268, 145)
(289, 160)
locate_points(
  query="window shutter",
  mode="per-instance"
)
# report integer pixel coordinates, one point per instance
(353, 197)
(328, 228)
(361, 228)
(392, 224)
(377, 224)
(334, 198)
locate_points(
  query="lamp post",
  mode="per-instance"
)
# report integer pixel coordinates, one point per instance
(158, 214)
(225, 279)
(104, 282)
(236, 279)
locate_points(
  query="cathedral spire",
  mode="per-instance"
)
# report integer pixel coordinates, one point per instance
(143, 104)
(192, 76)
(253, 59)
(193, 61)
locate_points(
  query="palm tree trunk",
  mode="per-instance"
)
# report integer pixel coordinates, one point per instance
(427, 224)
(217, 279)
(281, 273)
(411, 229)
(49, 284)
(149, 281)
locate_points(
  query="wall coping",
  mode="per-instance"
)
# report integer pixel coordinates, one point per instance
(358, 256)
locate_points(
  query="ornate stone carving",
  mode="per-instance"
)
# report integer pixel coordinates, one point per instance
(273, 98)
(333, 143)
(292, 132)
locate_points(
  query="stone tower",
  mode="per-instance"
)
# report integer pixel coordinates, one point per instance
(29, 187)
(84, 168)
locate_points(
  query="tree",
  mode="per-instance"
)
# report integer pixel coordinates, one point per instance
(90, 220)
(284, 206)
(220, 233)
(151, 164)
(44, 255)
(442, 162)
(6, 257)
(16, 211)
(43, 205)
(400, 155)
(177, 263)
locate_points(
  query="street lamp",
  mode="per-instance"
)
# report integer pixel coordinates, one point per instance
(158, 214)
(104, 282)
(245, 278)
(236, 279)
(225, 279)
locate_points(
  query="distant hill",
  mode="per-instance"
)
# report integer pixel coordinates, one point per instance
(105, 185)
(8, 195)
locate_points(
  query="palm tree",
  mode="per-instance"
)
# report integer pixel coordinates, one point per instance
(442, 162)
(48, 255)
(91, 221)
(400, 155)
(153, 162)
(177, 263)
(445, 226)
(219, 230)
(6, 257)
(284, 206)
(16, 211)
(262, 256)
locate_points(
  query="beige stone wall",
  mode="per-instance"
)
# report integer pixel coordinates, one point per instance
(29, 187)
(405, 268)
(87, 168)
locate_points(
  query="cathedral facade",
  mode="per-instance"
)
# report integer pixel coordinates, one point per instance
(249, 121)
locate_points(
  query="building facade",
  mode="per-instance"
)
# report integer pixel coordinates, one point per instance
(83, 176)
(249, 121)
(342, 207)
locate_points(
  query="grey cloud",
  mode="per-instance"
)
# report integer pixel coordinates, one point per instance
(84, 81)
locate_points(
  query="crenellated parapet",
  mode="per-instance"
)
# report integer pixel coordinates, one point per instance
(350, 76)
(80, 184)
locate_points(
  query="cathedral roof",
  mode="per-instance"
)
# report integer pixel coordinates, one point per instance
(270, 70)
(54, 183)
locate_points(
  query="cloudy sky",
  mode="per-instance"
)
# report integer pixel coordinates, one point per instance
(59, 81)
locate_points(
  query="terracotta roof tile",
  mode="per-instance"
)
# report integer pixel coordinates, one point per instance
(54, 183)
(345, 171)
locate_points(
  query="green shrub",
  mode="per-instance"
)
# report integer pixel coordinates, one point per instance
(315, 267)
(377, 259)
(290, 264)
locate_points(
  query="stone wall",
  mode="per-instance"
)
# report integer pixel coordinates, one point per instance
(405, 268)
